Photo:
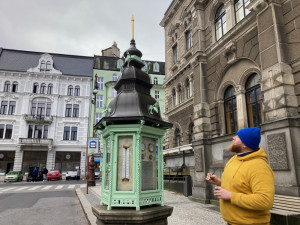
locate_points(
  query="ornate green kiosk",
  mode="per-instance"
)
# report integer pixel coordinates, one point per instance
(133, 136)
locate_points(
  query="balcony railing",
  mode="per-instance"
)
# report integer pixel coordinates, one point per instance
(38, 119)
(35, 141)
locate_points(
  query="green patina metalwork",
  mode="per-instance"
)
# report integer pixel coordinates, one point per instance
(129, 58)
(154, 107)
(141, 192)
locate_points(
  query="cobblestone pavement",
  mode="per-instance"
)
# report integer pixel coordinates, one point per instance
(185, 211)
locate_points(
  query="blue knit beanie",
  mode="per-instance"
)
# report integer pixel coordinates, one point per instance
(250, 137)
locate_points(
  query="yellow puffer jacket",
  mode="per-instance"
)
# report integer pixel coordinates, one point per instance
(251, 181)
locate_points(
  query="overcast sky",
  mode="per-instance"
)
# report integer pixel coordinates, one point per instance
(83, 27)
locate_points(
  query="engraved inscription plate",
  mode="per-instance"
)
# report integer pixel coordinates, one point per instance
(147, 176)
(277, 151)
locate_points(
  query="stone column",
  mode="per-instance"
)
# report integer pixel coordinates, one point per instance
(18, 159)
(50, 159)
(241, 108)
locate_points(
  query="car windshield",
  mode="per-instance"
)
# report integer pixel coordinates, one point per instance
(12, 173)
(54, 171)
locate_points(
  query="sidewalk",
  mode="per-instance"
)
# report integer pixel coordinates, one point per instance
(185, 211)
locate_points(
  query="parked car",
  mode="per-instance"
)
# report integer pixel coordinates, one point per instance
(97, 174)
(13, 176)
(30, 176)
(54, 175)
(73, 174)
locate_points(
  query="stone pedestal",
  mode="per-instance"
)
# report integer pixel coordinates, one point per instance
(152, 215)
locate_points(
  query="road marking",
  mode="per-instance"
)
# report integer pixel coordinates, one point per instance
(21, 188)
(34, 188)
(82, 185)
(71, 186)
(9, 189)
(47, 187)
(59, 187)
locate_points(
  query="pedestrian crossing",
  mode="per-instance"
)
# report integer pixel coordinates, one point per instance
(40, 188)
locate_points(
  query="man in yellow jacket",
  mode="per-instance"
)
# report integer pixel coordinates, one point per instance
(246, 191)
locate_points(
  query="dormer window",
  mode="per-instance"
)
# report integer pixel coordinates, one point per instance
(43, 66)
(156, 67)
(48, 66)
(119, 63)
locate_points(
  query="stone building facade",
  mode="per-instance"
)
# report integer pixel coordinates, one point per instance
(45, 105)
(232, 64)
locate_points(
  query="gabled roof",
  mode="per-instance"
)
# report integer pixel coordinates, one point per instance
(21, 61)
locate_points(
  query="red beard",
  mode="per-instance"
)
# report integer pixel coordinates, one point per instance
(235, 148)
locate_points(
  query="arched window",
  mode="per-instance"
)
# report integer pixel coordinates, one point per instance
(240, 9)
(48, 66)
(191, 133)
(179, 94)
(77, 90)
(7, 86)
(220, 22)
(177, 137)
(230, 110)
(70, 90)
(156, 67)
(15, 86)
(35, 88)
(50, 89)
(174, 97)
(254, 100)
(155, 80)
(187, 88)
(43, 88)
(43, 66)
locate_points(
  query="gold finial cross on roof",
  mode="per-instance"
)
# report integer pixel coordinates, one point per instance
(132, 20)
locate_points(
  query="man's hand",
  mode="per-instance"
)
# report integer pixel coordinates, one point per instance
(222, 193)
(213, 179)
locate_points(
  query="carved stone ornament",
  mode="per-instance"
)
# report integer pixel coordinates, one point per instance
(72, 100)
(257, 5)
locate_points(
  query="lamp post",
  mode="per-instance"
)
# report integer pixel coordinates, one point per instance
(90, 179)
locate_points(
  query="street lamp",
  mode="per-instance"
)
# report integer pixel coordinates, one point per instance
(90, 179)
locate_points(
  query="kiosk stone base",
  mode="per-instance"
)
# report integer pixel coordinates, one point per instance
(152, 215)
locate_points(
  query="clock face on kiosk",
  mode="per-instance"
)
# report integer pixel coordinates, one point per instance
(150, 147)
